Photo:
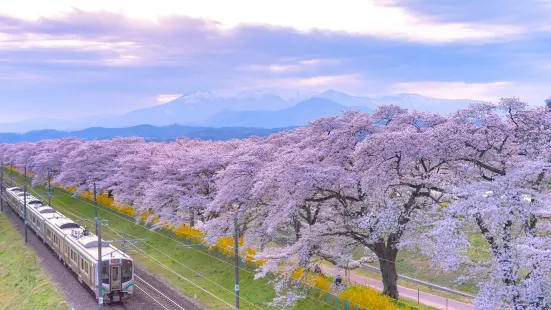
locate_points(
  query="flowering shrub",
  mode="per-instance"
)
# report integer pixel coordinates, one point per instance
(364, 297)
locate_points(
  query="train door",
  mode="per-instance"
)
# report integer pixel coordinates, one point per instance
(115, 277)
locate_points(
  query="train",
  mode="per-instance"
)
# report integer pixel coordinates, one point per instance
(77, 248)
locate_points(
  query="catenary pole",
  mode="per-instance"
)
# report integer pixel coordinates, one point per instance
(25, 201)
(99, 282)
(1, 189)
(49, 189)
(236, 254)
(95, 207)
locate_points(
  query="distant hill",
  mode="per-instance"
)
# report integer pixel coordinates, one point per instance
(149, 132)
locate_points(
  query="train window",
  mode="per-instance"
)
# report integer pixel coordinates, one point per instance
(105, 272)
(126, 270)
(114, 274)
(86, 270)
(66, 248)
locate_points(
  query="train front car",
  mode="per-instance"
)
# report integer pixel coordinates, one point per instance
(117, 268)
(117, 277)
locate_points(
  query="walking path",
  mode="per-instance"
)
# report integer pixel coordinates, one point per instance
(427, 299)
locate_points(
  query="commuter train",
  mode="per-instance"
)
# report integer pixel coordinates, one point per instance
(77, 248)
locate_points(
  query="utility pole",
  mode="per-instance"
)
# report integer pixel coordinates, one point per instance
(100, 285)
(25, 201)
(236, 248)
(191, 217)
(11, 175)
(49, 190)
(1, 190)
(96, 208)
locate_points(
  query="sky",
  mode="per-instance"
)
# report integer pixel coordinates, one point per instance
(65, 59)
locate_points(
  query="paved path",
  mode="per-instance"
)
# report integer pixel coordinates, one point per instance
(407, 293)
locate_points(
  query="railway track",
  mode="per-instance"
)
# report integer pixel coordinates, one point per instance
(147, 295)
(155, 295)
(157, 299)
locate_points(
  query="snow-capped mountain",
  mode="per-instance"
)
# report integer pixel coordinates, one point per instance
(345, 99)
(195, 97)
(276, 105)
(273, 108)
(285, 94)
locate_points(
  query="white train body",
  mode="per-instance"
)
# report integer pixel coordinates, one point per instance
(77, 248)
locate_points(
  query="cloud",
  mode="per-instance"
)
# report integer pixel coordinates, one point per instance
(454, 90)
(290, 66)
(84, 58)
(20, 76)
(167, 98)
(360, 17)
(345, 82)
(533, 93)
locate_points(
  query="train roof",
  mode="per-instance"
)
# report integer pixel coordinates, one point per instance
(74, 232)
(89, 243)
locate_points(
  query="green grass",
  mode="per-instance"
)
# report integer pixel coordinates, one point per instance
(196, 264)
(23, 284)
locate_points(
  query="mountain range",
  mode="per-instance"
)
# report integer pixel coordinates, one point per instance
(254, 108)
(149, 132)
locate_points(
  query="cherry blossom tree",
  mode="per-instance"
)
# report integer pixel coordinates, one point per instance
(23, 155)
(8, 154)
(133, 173)
(183, 180)
(376, 182)
(354, 182)
(234, 183)
(48, 158)
(164, 187)
(503, 155)
(93, 163)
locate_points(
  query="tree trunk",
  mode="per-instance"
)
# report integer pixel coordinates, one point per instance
(297, 225)
(390, 278)
(387, 263)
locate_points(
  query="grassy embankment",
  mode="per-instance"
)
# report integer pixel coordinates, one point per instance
(213, 273)
(23, 284)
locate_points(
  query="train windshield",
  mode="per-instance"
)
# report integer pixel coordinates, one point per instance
(105, 272)
(126, 270)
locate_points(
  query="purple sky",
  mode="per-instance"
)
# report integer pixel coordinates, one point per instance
(63, 59)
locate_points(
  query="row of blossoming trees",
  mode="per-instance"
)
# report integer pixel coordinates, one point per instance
(378, 182)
